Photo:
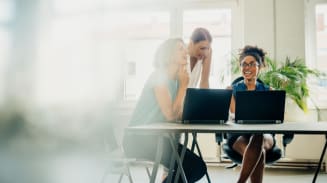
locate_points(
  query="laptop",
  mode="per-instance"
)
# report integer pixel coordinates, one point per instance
(206, 106)
(260, 107)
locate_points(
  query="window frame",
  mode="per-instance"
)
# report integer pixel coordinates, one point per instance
(311, 50)
(175, 10)
(176, 18)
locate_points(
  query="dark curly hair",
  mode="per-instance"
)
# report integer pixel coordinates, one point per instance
(258, 53)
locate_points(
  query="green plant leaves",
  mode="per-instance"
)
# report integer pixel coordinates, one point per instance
(291, 76)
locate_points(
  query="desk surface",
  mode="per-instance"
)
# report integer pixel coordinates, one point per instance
(286, 127)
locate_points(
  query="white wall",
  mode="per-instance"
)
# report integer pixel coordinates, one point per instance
(275, 25)
(290, 28)
(258, 22)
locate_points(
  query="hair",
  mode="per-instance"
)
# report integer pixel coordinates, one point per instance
(258, 53)
(201, 34)
(165, 53)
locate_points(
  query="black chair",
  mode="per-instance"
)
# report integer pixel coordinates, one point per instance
(272, 155)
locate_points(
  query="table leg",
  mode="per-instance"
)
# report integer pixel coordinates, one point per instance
(172, 161)
(193, 141)
(320, 161)
(200, 154)
(182, 156)
(157, 160)
(171, 167)
(178, 159)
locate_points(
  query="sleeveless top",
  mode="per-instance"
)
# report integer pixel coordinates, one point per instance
(147, 109)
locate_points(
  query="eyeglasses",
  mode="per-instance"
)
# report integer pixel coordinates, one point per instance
(251, 65)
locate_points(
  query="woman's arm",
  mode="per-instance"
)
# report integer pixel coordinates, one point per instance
(172, 110)
(164, 100)
(204, 83)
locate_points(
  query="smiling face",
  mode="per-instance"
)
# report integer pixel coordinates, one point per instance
(250, 68)
(200, 49)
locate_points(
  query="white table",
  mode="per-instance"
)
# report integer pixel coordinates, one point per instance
(170, 129)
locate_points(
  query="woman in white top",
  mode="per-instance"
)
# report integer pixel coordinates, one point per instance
(199, 50)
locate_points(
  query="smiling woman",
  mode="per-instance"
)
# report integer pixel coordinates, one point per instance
(252, 147)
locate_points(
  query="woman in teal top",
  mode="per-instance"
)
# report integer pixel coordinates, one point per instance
(161, 100)
(252, 147)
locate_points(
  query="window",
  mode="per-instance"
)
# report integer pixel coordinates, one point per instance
(96, 52)
(321, 36)
(89, 54)
(150, 28)
(6, 16)
(317, 48)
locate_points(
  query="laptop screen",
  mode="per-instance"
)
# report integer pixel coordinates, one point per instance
(206, 105)
(260, 106)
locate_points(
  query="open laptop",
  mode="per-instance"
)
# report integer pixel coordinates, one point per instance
(259, 107)
(209, 106)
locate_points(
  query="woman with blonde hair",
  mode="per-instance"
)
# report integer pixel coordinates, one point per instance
(161, 101)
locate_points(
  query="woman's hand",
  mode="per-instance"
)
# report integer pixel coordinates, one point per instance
(183, 76)
(208, 55)
(204, 83)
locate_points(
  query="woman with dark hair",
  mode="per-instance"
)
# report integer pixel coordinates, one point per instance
(252, 147)
(199, 50)
(160, 101)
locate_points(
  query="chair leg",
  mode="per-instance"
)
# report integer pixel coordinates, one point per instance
(284, 151)
(220, 151)
(104, 175)
(129, 175)
(231, 166)
(148, 172)
(120, 177)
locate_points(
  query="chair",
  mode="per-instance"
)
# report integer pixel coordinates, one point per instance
(118, 163)
(271, 156)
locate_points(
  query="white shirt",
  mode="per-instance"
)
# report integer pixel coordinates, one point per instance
(195, 74)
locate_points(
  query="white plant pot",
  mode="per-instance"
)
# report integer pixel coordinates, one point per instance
(293, 113)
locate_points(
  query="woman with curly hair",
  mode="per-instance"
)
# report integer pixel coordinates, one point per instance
(252, 147)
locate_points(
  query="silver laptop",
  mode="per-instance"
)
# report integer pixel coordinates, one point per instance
(210, 106)
(259, 107)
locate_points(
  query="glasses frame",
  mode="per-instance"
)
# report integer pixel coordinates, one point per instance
(250, 65)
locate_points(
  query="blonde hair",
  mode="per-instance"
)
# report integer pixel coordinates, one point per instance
(165, 53)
